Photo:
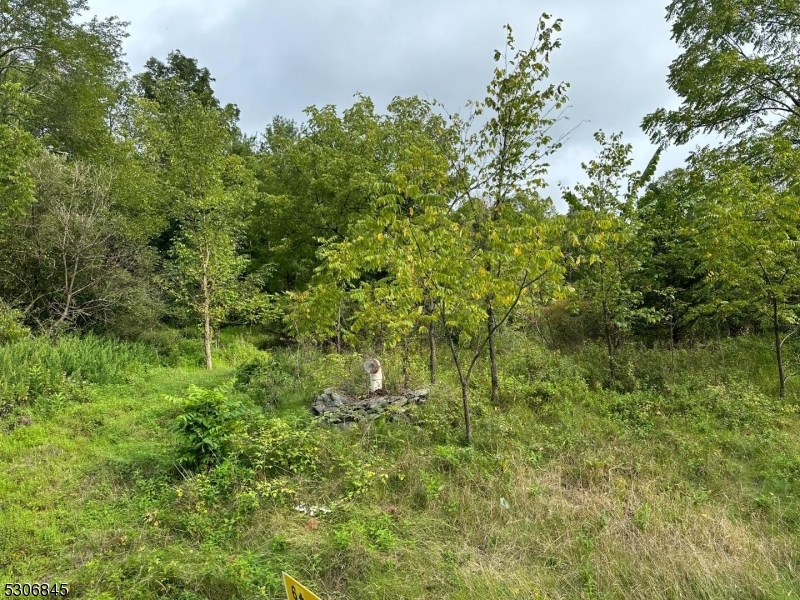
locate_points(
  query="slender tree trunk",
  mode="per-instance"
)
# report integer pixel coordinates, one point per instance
(465, 404)
(207, 332)
(672, 343)
(339, 330)
(430, 308)
(65, 313)
(405, 363)
(464, 379)
(490, 324)
(778, 349)
(606, 325)
(609, 341)
(69, 282)
(432, 354)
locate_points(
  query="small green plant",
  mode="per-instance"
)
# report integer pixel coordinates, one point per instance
(262, 379)
(643, 516)
(380, 533)
(433, 485)
(453, 457)
(283, 448)
(211, 425)
(342, 537)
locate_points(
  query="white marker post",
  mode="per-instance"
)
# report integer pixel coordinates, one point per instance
(373, 369)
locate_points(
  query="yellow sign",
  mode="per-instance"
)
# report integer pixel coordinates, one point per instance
(296, 590)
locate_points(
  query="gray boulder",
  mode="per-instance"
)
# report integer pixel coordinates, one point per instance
(338, 407)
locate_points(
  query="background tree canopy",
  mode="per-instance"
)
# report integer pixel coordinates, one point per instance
(133, 203)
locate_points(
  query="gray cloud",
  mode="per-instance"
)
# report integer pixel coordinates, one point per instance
(277, 57)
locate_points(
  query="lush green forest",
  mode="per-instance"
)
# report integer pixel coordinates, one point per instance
(612, 411)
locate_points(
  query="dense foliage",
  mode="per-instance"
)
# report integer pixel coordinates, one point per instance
(366, 229)
(174, 290)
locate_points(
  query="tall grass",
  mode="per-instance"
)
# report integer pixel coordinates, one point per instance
(681, 482)
(34, 367)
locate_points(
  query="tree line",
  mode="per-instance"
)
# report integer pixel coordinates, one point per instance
(129, 203)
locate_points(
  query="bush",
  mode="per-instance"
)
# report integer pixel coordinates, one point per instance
(568, 325)
(283, 449)
(262, 379)
(732, 407)
(533, 375)
(212, 425)
(166, 344)
(11, 327)
(739, 406)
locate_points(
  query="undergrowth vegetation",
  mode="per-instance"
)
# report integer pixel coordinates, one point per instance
(168, 482)
(43, 368)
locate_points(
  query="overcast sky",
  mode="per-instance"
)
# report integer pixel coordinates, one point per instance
(276, 57)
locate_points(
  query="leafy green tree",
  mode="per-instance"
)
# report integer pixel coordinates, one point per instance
(671, 276)
(738, 75)
(507, 159)
(212, 192)
(526, 261)
(467, 260)
(185, 75)
(318, 179)
(314, 183)
(363, 269)
(72, 69)
(39, 37)
(737, 68)
(604, 253)
(384, 269)
(17, 149)
(750, 234)
(431, 270)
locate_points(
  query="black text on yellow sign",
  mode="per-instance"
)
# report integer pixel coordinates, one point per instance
(296, 590)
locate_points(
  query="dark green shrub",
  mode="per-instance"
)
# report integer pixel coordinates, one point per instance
(533, 375)
(568, 325)
(212, 425)
(165, 342)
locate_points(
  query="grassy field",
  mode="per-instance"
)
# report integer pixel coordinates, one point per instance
(684, 482)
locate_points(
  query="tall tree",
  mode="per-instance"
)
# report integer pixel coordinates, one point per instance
(383, 267)
(318, 179)
(672, 273)
(738, 68)
(185, 76)
(17, 148)
(211, 191)
(71, 69)
(507, 157)
(604, 252)
(750, 234)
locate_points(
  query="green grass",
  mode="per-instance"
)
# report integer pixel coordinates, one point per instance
(686, 486)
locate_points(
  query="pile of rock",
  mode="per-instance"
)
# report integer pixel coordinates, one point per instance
(335, 406)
